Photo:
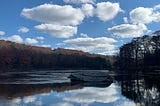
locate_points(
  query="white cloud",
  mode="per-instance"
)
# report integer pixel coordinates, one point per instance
(55, 14)
(106, 10)
(60, 44)
(91, 44)
(15, 38)
(144, 15)
(23, 30)
(110, 52)
(88, 10)
(31, 41)
(156, 7)
(138, 17)
(61, 21)
(126, 103)
(58, 31)
(125, 19)
(2, 33)
(40, 38)
(46, 46)
(83, 35)
(80, 1)
(128, 30)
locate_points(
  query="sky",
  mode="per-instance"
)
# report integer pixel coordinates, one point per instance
(94, 26)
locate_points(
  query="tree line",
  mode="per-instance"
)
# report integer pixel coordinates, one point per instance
(25, 57)
(142, 53)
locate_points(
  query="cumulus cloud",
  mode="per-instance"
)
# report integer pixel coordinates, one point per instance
(40, 38)
(80, 1)
(46, 46)
(139, 17)
(128, 30)
(15, 38)
(126, 103)
(110, 52)
(61, 21)
(54, 14)
(91, 44)
(144, 15)
(23, 30)
(125, 19)
(88, 10)
(156, 7)
(58, 31)
(31, 41)
(106, 10)
(83, 35)
(2, 33)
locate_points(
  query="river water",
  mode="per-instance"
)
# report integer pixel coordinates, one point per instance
(54, 88)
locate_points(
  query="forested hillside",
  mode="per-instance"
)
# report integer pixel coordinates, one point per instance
(25, 57)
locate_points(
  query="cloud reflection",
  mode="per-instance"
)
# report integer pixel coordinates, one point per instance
(13, 102)
(86, 96)
(16, 100)
(29, 99)
(61, 104)
(90, 95)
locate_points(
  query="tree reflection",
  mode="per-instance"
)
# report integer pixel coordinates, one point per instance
(144, 90)
(11, 91)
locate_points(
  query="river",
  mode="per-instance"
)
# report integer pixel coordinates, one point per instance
(54, 88)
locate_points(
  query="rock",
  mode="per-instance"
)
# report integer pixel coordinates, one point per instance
(91, 84)
(94, 76)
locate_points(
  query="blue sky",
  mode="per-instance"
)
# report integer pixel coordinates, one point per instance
(95, 26)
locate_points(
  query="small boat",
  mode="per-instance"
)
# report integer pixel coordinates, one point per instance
(91, 76)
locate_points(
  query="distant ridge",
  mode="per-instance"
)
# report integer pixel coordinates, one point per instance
(25, 57)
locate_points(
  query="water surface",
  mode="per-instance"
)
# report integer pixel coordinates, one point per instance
(48, 88)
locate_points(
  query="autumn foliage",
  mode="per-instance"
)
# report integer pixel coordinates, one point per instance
(24, 57)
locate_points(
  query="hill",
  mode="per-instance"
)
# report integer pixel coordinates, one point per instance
(16, 56)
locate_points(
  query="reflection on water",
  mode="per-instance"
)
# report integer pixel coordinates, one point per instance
(124, 91)
(144, 89)
(40, 77)
(58, 95)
